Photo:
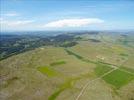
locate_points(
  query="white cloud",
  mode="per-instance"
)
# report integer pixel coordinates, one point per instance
(16, 23)
(11, 14)
(73, 22)
(1, 19)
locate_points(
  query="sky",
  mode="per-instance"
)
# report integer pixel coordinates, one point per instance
(30, 15)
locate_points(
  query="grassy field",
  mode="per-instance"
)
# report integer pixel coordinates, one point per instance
(66, 85)
(102, 69)
(79, 57)
(118, 78)
(57, 73)
(127, 69)
(102, 51)
(48, 71)
(57, 63)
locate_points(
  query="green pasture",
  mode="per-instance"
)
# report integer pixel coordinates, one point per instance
(48, 71)
(102, 69)
(57, 63)
(118, 78)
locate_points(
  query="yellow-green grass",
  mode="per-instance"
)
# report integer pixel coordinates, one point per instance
(57, 63)
(130, 62)
(118, 78)
(66, 85)
(102, 69)
(127, 69)
(92, 51)
(79, 56)
(10, 81)
(124, 54)
(48, 71)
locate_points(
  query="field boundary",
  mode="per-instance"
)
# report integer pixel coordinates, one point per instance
(86, 85)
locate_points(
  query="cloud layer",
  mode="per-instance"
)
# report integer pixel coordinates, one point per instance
(11, 14)
(73, 22)
(14, 22)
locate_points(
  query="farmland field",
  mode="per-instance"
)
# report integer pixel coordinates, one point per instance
(48, 71)
(118, 78)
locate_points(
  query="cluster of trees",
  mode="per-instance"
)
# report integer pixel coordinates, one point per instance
(14, 44)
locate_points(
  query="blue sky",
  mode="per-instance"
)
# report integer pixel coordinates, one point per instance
(23, 15)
